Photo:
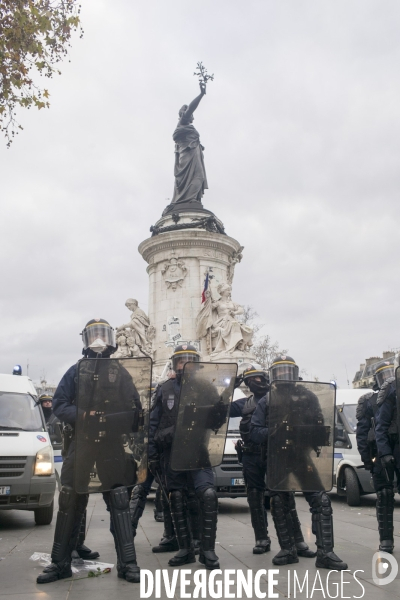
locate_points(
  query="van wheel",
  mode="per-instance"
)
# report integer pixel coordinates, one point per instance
(352, 488)
(44, 516)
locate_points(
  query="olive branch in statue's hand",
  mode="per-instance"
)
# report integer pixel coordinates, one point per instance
(201, 73)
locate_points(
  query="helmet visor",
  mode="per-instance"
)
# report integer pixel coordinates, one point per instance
(181, 358)
(98, 331)
(287, 371)
(384, 373)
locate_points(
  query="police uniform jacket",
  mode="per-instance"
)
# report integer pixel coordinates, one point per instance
(365, 412)
(259, 422)
(387, 434)
(64, 398)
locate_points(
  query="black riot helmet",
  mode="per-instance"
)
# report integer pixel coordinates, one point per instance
(183, 354)
(383, 371)
(98, 337)
(284, 367)
(250, 373)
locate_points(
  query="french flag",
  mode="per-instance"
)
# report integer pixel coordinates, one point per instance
(203, 295)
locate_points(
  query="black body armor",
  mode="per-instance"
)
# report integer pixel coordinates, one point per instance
(170, 402)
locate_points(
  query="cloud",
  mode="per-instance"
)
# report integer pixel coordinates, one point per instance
(301, 128)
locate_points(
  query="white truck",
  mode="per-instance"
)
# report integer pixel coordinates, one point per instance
(27, 478)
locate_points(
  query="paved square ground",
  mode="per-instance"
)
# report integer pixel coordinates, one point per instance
(356, 541)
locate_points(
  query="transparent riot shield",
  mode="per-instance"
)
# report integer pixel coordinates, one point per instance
(300, 442)
(204, 402)
(111, 431)
(397, 375)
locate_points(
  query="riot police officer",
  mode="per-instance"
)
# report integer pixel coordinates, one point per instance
(46, 402)
(283, 506)
(98, 342)
(387, 441)
(162, 512)
(366, 413)
(250, 455)
(161, 433)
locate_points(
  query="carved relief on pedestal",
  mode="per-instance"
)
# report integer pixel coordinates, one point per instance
(174, 272)
(136, 337)
(217, 322)
(233, 259)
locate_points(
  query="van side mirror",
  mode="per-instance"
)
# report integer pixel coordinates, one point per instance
(340, 434)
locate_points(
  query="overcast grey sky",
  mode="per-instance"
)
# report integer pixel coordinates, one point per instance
(302, 134)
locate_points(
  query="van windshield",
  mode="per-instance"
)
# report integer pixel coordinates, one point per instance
(349, 411)
(19, 412)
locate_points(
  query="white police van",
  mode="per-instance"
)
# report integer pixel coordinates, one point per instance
(228, 476)
(27, 478)
(349, 476)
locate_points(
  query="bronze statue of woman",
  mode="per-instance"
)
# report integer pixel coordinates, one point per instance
(190, 172)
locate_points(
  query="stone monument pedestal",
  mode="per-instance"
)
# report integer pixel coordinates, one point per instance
(185, 246)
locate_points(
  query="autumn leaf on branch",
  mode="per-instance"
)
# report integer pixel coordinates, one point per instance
(34, 37)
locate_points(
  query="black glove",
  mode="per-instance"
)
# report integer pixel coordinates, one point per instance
(154, 465)
(369, 465)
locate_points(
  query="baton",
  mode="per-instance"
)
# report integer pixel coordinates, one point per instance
(158, 478)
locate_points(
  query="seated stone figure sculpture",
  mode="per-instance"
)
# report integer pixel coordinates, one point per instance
(217, 320)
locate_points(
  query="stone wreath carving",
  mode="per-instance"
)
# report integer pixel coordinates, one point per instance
(174, 273)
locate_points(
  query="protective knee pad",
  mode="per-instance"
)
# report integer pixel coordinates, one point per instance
(255, 499)
(385, 497)
(279, 504)
(67, 498)
(120, 513)
(65, 525)
(326, 505)
(322, 503)
(137, 504)
(322, 521)
(282, 518)
(179, 517)
(384, 513)
(209, 510)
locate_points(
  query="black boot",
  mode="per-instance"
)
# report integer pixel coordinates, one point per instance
(123, 536)
(136, 506)
(69, 517)
(158, 510)
(194, 511)
(83, 551)
(323, 526)
(384, 514)
(209, 518)
(301, 546)
(282, 518)
(178, 511)
(168, 543)
(255, 499)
